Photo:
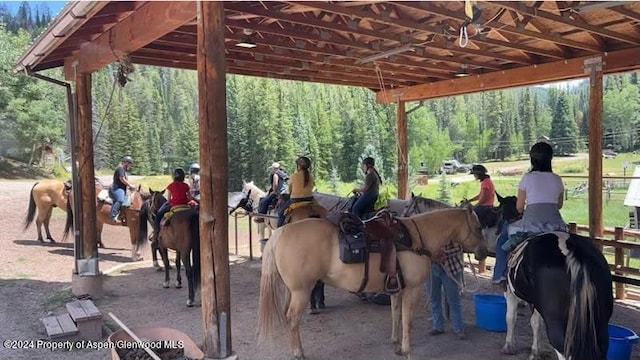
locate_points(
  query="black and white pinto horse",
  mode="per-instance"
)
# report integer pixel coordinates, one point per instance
(567, 282)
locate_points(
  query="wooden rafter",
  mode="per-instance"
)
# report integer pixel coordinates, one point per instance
(522, 8)
(132, 33)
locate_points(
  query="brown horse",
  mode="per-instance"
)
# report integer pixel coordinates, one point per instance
(301, 253)
(129, 215)
(44, 196)
(182, 234)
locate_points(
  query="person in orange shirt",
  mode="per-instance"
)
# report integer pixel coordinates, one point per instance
(486, 196)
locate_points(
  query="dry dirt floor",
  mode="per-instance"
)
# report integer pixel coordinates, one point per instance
(35, 281)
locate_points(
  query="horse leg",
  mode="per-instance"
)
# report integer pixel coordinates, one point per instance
(536, 327)
(294, 315)
(99, 226)
(409, 301)
(164, 253)
(396, 301)
(154, 255)
(320, 299)
(512, 308)
(190, 282)
(313, 309)
(47, 218)
(39, 226)
(178, 272)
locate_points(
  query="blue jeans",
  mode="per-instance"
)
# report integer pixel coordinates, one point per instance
(437, 280)
(159, 215)
(265, 201)
(281, 211)
(364, 203)
(118, 198)
(500, 268)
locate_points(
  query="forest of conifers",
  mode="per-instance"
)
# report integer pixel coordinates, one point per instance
(154, 119)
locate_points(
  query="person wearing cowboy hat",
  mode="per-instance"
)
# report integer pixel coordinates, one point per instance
(278, 180)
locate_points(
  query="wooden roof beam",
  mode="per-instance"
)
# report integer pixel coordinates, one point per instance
(430, 8)
(629, 15)
(524, 9)
(613, 62)
(137, 30)
(526, 19)
(576, 15)
(410, 25)
(272, 75)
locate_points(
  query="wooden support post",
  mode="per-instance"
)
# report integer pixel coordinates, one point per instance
(621, 292)
(84, 156)
(593, 67)
(573, 228)
(403, 171)
(214, 220)
(482, 266)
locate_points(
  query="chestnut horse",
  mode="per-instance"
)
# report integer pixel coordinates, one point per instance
(44, 196)
(299, 254)
(130, 216)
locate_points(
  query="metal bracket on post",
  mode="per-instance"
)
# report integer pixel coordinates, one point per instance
(591, 66)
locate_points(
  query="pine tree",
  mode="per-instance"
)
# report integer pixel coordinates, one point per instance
(564, 130)
(444, 191)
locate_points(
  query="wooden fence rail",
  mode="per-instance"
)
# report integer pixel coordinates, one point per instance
(619, 244)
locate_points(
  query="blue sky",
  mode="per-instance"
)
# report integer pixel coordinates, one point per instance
(54, 6)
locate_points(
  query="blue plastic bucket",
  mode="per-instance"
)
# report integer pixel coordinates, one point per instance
(491, 312)
(621, 342)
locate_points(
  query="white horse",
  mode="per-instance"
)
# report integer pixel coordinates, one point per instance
(255, 194)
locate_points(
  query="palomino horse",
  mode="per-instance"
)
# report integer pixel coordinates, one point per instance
(130, 216)
(567, 281)
(44, 196)
(301, 253)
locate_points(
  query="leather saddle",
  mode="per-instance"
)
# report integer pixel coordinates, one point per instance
(358, 239)
(166, 219)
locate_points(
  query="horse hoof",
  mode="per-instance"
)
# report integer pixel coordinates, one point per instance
(51, 240)
(101, 245)
(178, 285)
(165, 285)
(40, 240)
(314, 311)
(156, 264)
(321, 305)
(398, 350)
(159, 269)
(508, 349)
(189, 303)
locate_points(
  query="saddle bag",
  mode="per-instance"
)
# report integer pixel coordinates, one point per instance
(353, 248)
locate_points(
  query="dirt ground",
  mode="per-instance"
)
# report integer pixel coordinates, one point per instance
(35, 280)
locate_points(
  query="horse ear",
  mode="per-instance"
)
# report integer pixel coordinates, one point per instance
(163, 190)
(244, 182)
(139, 187)
(469, 207)
(500, 198)
(413, 195)
(151, 190)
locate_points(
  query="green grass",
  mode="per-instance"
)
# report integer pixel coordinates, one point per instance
(57, 299)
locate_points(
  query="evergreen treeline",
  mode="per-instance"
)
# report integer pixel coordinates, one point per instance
(154, 119)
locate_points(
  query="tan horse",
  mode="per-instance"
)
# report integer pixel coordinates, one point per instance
(301, 253)
(130, 217)
(44, 196)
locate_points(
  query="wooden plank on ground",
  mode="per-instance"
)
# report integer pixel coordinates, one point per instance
(52, 326)
(76, 311)
(90, 309)
(67, 325)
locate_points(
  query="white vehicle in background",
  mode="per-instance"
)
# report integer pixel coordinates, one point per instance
(453, 167)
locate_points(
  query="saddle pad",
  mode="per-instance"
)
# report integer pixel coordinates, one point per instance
(103, 196)
(175, 209)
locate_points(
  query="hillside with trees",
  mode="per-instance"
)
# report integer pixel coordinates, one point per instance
(154, 118)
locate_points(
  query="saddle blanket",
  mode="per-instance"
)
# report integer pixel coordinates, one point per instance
(296, 205)
(103, 196)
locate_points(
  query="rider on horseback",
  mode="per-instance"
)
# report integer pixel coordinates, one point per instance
(300, 187)
(485, 197)
(178, 195)
(369, 191)
(278, 180)
(118, 188)
(543, 192)
(194, 179)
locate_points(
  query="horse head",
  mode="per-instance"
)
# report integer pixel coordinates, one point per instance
(420, 205)
(507, 207)
(156, 199)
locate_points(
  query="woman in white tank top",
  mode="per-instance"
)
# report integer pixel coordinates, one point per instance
(543, 193)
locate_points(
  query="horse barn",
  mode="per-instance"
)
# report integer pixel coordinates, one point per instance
(402, 51)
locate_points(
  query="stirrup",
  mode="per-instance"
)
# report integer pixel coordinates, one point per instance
(392, 289)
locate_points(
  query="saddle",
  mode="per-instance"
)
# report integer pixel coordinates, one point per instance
(166, 219)
(356, 242)
(103, 196)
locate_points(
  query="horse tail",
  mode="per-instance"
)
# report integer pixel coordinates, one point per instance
(69, 223)
(195, 249)
(31, 213)
(591, 304)
(273, 299)
(142, 226)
